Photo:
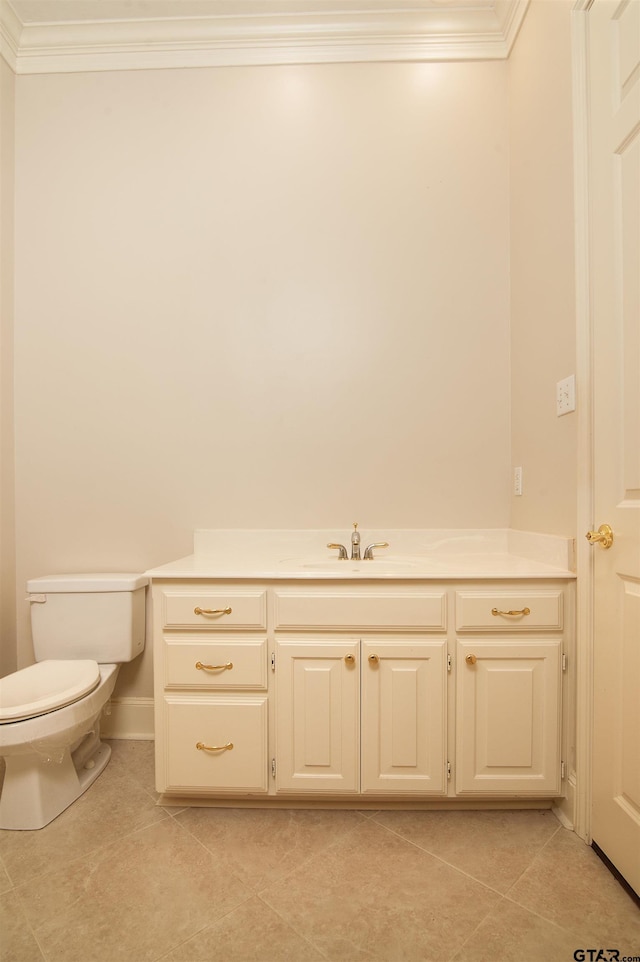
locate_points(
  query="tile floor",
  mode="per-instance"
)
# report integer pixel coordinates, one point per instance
(116, 877)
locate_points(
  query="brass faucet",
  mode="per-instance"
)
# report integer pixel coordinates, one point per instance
(355, 547)
(355, 543)
(368, 551)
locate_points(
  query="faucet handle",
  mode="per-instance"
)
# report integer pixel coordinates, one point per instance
(368, 551)
(342, 551)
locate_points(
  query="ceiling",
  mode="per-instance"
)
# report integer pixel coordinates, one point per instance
(45, 36)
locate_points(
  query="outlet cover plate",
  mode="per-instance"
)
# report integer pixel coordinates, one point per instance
(566, 395)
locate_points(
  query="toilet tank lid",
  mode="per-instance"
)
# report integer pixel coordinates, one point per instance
(109, 581)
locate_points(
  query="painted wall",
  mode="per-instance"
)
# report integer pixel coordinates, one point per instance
(7, 504)
(257, 297)
(542, 269)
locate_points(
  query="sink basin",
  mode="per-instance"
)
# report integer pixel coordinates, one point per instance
(334, 566)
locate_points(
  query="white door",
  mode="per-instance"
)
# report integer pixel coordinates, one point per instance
(614, 190)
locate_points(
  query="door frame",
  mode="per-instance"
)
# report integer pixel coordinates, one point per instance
(585, 419)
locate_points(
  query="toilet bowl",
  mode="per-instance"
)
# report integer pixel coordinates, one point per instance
(53, 757)
(50, 712)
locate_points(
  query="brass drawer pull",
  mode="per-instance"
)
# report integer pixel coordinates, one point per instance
(512, 614)
(374, 659)
(214, 748)
(350, 659)
(212, 611)
(470, 659)
(227, 667)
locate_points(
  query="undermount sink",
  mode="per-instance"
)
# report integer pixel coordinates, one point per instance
(334, 565)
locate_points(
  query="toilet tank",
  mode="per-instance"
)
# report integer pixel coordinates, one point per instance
(97, 616)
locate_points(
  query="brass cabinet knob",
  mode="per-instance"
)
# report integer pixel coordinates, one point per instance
(470, 659)
(603, 536)
(374, 659)
(350, 659)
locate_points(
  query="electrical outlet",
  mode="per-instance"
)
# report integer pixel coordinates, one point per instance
(566, 395)
(517, 481)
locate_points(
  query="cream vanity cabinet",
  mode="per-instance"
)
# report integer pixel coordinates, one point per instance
(345, 689)
(508, 690)
(211, 708)
(360, 689)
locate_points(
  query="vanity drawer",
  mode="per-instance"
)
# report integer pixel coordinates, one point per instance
(384, 609)
(213, 609)
(518, 609)
(213, 724)
(223, 664)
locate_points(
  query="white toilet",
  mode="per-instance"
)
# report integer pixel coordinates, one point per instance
(84, 626)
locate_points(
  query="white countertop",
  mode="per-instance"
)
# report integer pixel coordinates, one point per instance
(419, 554)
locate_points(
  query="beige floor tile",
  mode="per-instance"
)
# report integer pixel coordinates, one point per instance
(132, 901)
(512, 934)
(5, 881)
(374, 896)
(251, 933)
(260, 847)
(493, 847)
(136, 759)
(111, 808)
(17, 942)
(569, 885)
(118, 879)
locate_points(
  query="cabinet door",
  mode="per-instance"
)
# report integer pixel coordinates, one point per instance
(404, 717)
(317, 716)
(508, 717)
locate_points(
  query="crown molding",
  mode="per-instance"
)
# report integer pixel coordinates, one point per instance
(10, 30)
(432, 33)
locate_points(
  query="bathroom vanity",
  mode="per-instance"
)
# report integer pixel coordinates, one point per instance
(438, 673)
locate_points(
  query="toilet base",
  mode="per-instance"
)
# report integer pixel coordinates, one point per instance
(36, 790)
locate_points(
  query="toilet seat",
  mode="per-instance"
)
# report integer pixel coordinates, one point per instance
(45, 686)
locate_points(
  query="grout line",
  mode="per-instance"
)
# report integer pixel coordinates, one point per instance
(44, 955)
(301, 865)
(321, 852)
(300, 935)
(194, 935)
(460, 948)
(533, 861)
(64, 864)
(442, 860)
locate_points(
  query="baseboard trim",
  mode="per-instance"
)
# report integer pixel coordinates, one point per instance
(564, 808)
(128, 718)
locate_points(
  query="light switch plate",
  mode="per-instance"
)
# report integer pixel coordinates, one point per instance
(566, 395)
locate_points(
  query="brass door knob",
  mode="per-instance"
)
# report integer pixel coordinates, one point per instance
(603, 536)
(350, 659)
(374, 659)
(470, 659)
